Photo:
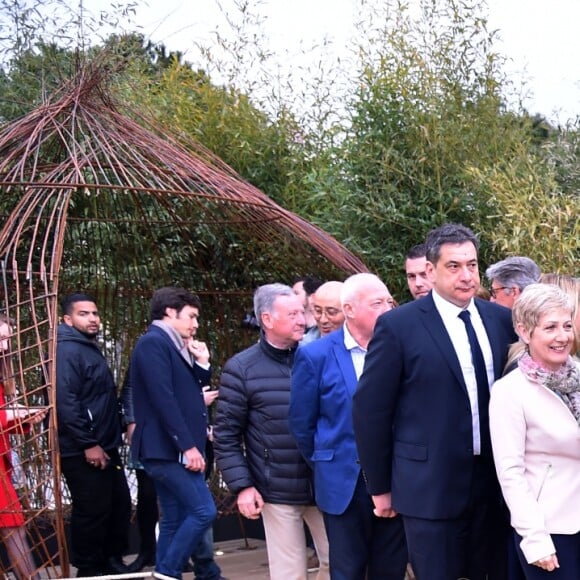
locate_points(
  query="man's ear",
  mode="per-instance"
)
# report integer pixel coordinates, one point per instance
(348, 310)
(266, 320)
(67, 319)
(170, 312)
(430, 271)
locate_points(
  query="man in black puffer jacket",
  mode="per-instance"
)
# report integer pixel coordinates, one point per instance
(254, 449)
(89, 434)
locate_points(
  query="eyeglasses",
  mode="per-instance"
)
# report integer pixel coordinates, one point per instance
(329, 311)
(493, 291)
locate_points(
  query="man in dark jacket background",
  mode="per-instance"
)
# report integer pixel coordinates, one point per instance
(89, 434)
(255, 451)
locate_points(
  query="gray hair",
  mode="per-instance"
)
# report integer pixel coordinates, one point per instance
(265, 296)
(537, 300)
(448, 234)
(518, 271)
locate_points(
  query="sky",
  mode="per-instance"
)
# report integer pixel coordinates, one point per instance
(539, 38)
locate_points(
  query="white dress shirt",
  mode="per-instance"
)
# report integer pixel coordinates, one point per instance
(458, 334)
(357, 352)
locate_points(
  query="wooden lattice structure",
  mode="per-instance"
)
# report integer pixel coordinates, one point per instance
(99, 201)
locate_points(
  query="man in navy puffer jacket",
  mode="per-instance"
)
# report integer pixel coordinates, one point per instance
(254, 449)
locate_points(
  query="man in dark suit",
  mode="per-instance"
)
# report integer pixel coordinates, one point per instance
(421, 421)
(324, 379)
(167, 373)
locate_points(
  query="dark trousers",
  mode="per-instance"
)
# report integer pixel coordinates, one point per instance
(204, 564)
(514, 566)
(568, 553)
(472, 546)
(362, 545)
(147, 513)
(101, 510)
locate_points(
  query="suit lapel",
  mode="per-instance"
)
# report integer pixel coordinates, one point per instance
(344, 360)
(434, 326)
(167, 338)
(493, 335)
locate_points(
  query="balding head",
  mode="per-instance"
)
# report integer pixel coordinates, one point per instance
(327, 307)
(364, 298)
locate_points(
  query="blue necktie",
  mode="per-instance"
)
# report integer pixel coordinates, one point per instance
(482, 383)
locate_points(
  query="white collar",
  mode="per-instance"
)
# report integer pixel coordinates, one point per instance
(349, 342)
(448, 309)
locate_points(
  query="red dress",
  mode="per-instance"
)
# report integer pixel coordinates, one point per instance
(10, 509)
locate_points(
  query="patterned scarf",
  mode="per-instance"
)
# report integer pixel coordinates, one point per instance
(565, 382)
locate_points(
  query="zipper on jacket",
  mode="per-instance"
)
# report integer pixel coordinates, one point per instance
(267, 465)
(546, 474)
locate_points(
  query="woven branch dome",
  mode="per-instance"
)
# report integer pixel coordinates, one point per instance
(96, 202)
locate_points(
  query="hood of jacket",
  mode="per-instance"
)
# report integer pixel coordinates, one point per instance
(70, 333)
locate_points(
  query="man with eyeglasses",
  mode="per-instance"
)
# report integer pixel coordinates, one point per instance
(509, 277)
(327, 308)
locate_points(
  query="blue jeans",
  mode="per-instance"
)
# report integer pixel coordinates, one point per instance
(204, 565)
(187, 511)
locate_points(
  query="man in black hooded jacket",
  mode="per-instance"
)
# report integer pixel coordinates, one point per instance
(89, 434)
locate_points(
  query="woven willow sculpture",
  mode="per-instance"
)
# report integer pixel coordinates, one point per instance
(93, 201)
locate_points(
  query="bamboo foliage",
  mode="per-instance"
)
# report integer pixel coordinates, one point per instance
(96, 201)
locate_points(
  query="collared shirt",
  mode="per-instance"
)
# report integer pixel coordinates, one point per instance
(458, 334)
(357, 352)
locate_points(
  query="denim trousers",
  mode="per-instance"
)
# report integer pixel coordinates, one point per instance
(204, 565)
(187, 511)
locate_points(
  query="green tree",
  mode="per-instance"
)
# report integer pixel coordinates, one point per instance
(224, 120)
(32, 76)
(419, 133)
(428, 110)
(537, 204)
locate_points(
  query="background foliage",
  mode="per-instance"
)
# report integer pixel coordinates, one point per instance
(413, 131)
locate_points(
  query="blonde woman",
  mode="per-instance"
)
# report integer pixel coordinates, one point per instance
(571, 286)
(535, 431)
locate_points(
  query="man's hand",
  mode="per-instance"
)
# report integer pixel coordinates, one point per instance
(250, 503)
(199, 351)
(383, 507)
(129, 432)
(549, 563)
(193, 460)
(97, 457)
(209, 396)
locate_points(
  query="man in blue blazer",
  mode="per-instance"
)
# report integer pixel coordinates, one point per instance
(421, 422)
(324, 379)
(167, 372)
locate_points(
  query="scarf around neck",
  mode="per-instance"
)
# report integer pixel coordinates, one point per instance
(564, 382)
